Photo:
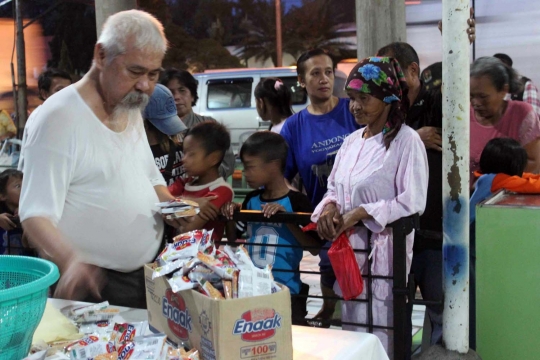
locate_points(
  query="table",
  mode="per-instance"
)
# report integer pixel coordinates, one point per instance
(308, 343)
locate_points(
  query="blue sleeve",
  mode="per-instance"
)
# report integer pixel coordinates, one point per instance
(291, 168)
(481, 192)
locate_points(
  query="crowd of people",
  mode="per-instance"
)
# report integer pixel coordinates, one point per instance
(99, 154)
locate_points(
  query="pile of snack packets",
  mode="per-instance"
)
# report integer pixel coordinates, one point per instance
(192, 261)
(106, 340)
(178, 208)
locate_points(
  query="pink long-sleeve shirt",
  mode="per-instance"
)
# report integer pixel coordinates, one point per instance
(388, 184)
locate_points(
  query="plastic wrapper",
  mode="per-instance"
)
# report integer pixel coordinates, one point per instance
(235, 284)
(201, 272)
(227, 289)
(180, 282)
(168, 268)
(207, 246)
(40, 355)
(79, 311)
(224, 271)
(98, 315)
(345, 267)
(254, 282)
(97, 350)
(151, 347)
(182, 354)
(97, 327)
(125, 332)
(185, 246)
(239, 256)
(209, 290)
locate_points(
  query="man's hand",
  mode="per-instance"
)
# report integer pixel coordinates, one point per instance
(271, 208)
(431, 137)
(6, 222)
(329, 221)
(80, 279)
(471, 30)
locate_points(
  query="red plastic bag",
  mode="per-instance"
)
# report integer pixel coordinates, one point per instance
(344, 263)
(346, 268)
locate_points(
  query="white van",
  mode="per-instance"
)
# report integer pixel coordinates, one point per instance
(228, 96)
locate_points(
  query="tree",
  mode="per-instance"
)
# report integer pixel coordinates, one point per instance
(185, 51)
(313, 24)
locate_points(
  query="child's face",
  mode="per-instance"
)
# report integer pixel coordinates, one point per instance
(12, 192)
(195, 160)
(255, 171)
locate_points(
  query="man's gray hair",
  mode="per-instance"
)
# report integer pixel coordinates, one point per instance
(143, 30)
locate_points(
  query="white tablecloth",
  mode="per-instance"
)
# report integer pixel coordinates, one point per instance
(308, 343)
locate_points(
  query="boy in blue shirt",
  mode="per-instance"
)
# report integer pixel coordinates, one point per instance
(264, 155)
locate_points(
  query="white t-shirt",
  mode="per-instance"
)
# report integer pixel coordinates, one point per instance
(277, 128)
(27, 129)
(95, 185)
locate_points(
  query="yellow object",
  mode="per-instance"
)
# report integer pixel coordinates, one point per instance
(7, 126)
(54, 326)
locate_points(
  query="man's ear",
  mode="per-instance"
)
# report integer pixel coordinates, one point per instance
(414, 70)
(3, 197)
(99, 56)
(506, 89)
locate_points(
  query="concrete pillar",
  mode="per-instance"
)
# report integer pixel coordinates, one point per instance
(105, 8)
(456, 106)
(378, 23)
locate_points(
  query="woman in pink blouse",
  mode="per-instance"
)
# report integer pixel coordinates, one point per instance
(380, 175)
(493, 117)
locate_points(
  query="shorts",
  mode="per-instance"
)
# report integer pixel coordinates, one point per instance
(328, 277)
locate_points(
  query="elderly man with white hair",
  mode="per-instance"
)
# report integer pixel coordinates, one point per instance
(90, 186)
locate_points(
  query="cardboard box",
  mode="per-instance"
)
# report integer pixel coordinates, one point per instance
(253, 328)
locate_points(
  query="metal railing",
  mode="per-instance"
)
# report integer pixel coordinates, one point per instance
(401, 292)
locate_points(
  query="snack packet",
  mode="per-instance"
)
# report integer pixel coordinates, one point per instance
(185, 246)
(235, 284)
(180, 282)
(98, 350)
(98, 315)
(210, 291)
(177, 202)
(227, 289)
(224, 271)
(190, 265)
(168, 268)
(182, 354)
(40, 355)
(206, 246)
(201, 272)
(122, 333)
(254, 282)
(98, 327)
(79, 311)
(144, 347)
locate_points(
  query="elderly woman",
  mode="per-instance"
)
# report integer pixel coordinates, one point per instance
(380, 175)
(493, 117)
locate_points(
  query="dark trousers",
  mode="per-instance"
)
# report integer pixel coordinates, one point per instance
(123, 289)
(299, 306)
(427, 269)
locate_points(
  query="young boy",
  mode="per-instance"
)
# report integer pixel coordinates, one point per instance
(264, 155)
(205, 145)
(12, 239)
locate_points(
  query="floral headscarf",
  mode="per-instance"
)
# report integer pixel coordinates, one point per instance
(382, 78)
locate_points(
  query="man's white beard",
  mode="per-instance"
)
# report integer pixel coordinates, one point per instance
(127, 114)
